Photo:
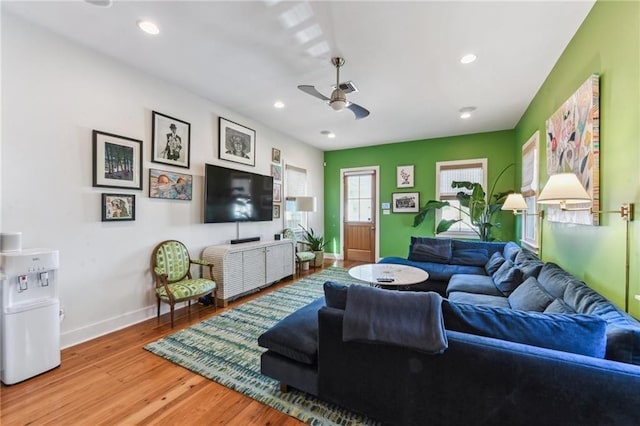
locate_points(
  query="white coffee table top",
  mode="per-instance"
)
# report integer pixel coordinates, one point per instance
(401, 274)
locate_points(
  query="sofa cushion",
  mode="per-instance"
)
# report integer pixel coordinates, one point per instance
(581, 334)
(507, 277)
(479, 299)
(427, 249)
(335, 294)
(530, 296)
(437, 271)
(296, 336)
(478, 284)
(511, 250)
(555, 279)
(475, 257)
(559, 307)
(495, 261)
(529, 264)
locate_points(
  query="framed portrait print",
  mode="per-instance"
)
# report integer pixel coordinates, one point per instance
(276, 171)
(277, 192)
(118, 207)
(117, 161)
(405, 202)
(404, 176)
(275, 155)
(276, 211)
(236, 143)
(170, 185)
(171, 140)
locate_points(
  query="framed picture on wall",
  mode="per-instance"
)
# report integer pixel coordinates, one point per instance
(171, 140)
(118, 207)
(405, 202)
(277, 192)
(276, 171)
(236, 143)
(276, 211)
(275, 155)
(117, 161)
(170, 185)
(404, 176)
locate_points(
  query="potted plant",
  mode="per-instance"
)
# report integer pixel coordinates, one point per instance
(480, 214)
(316, 244)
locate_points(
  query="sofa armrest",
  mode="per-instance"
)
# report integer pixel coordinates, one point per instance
(478, 380)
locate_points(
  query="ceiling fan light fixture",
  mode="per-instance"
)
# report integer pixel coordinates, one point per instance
(338, 100)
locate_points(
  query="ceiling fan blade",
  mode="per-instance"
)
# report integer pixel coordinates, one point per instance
(359, 111)
(310, 90)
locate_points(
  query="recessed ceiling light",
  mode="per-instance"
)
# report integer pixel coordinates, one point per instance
(328, 134)
(331, 135)
(467, 59)
(148, 27)
(278, 104)
(466, 112)
(100, 3)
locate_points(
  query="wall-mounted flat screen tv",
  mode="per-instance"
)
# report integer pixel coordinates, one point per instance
(236, 196)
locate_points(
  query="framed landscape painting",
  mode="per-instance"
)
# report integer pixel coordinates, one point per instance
(117, 161)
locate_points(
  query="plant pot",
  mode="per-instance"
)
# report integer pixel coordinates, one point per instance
(319, 260)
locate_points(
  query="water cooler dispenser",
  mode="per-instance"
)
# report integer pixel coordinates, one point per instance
(29, 321)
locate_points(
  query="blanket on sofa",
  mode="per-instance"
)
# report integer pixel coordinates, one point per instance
(397, 318)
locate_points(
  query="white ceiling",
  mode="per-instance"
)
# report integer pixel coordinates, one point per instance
(402, 56)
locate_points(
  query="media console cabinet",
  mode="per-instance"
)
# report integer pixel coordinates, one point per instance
(244, 268)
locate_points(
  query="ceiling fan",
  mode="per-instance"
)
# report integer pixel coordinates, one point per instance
(338, 100)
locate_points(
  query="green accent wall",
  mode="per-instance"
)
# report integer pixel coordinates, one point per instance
(607, 43)
(397, 228)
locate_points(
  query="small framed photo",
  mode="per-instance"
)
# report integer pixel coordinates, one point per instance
(405, 202)
(117, 161)
(276, 211)
(275, 155)
(276, 171)
(236, 143)
(170, 185)
(277, 193)
(171, 140)
(404, 176)
(118, 207)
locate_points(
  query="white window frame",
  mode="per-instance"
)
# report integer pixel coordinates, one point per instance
(457, 231)
(530, 184)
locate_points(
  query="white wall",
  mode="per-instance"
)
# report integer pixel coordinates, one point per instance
(54, 94)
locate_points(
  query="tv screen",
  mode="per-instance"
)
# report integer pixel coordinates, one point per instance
(236, 196)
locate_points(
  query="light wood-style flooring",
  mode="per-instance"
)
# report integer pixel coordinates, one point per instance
(112, 380)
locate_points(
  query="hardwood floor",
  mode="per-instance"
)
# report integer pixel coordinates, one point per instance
(113, 380)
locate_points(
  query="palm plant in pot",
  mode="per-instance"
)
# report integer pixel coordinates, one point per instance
(316, 244)
(480, 210)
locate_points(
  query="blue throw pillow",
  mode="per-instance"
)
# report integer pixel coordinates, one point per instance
(495, 262)
(507, 277)
(559, 307)
(530, 296)
(511, 250)
(426, 249)
(335, 294)
(580, 334)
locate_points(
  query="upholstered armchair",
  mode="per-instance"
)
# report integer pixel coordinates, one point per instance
(170, 267)
(302, 256)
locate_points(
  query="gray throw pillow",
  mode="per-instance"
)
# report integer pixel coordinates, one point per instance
(507, 277)
(530, 296)
(495, 261)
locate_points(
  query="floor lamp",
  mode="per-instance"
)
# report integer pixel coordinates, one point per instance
(516, 203)
(565, 190)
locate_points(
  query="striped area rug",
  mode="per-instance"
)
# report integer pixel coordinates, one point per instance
(224, 348)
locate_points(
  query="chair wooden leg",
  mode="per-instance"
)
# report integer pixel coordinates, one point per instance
(158, 308)
(172, 307)
(283, 387)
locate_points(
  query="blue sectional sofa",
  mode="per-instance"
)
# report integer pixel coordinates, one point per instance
(528, 345)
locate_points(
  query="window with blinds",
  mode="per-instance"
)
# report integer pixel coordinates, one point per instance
(295, 184)
(450, 171)
(529, 189)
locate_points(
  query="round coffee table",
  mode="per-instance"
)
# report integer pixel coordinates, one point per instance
(388, 274)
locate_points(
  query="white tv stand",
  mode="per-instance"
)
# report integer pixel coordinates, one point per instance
(240, 269)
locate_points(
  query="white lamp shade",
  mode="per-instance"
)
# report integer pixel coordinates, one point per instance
(564, 188)
(515, 202)
(305, 204)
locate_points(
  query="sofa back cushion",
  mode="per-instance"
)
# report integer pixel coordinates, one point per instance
(511, 250)
(335, 294)
(507, 277)
(580, 334)
(529, 264)
(530, 296)
(427, 249)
